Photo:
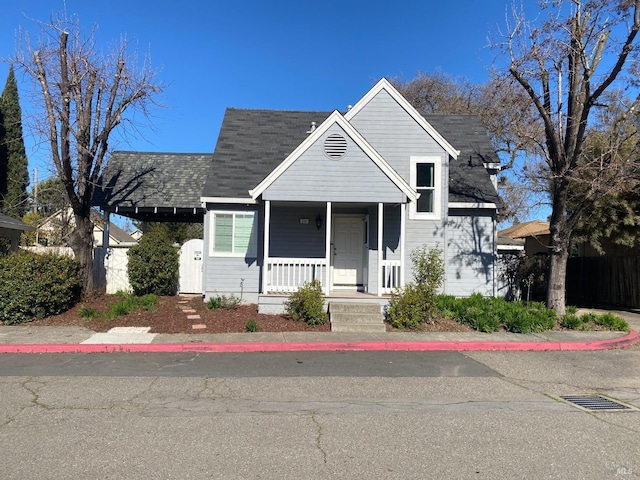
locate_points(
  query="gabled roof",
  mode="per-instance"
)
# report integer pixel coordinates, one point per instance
(136, 181)
(384, 84)
(251, 144)
(336, 119)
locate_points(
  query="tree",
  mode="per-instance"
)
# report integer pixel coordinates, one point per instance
(565, 63)
(85, 97)
(13, 191)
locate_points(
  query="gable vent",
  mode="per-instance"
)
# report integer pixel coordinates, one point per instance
(335, 146)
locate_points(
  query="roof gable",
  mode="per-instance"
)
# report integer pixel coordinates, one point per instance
(314, 136)
(384, 84)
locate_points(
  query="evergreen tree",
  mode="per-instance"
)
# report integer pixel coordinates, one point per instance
(12, 154)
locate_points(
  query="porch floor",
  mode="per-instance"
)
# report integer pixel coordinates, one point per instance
(274, 302)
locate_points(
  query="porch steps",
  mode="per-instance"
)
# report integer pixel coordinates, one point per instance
(356, 317)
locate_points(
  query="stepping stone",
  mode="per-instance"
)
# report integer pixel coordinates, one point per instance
(193, 317)
(198, 326)
(183, 301)
(188, 310)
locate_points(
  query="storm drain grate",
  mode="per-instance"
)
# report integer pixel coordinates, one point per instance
(595, 402)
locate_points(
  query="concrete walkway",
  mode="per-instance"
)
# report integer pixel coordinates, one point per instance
(31, 339)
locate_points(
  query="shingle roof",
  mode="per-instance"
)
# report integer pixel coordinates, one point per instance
(144, 179)
(526, 229)
(468, 178)
(252, 143)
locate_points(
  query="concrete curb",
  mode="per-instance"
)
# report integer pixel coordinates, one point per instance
(246, 347)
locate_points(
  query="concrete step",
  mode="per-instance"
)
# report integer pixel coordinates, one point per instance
(353, 307)
(356, 317)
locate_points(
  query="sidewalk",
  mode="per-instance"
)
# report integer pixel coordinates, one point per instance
(30, 339)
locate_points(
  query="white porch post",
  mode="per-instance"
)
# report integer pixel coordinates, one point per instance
(105, 230)
(380, 225)
(403, 211)
(265, 254)
(327, 251)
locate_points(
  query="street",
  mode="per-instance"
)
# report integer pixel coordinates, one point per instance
(312, 415)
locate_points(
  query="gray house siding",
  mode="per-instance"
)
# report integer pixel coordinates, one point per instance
(292, 238)
(239, 276)
(316, 177)
(419, 233)
(471, 253)
(394, 133)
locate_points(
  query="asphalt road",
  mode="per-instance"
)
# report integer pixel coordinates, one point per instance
(481, 415)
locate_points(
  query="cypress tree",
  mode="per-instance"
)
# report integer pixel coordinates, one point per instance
(12, 152)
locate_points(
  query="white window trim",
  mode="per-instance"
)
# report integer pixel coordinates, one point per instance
(252, 250)
(437, 190)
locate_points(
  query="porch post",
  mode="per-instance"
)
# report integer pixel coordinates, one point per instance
(105, 230)
(403, 211)
(327, 250)
(265, 253)
(380, 226)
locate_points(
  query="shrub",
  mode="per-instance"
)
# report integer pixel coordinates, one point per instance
(415, 304)
(36, 286)
(572, 321)
(153, 266)
(225, 302)
(251, 326)
(612, 322)
(307, 304)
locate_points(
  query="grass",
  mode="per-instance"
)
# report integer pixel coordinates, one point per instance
(126, 304)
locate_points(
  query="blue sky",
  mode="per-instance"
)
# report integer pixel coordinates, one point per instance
(278, 54)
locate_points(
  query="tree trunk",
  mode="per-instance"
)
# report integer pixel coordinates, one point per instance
(81, 242)
(560, 232)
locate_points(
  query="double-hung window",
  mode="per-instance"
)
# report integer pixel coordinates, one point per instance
(233, 234)
(426, 180)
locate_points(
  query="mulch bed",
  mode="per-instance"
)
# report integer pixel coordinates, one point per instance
(169, 316)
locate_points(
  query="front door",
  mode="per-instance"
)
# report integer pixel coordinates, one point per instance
(348, 252)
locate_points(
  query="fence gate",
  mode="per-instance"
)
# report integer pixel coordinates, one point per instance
(116, 275)
(191, 254)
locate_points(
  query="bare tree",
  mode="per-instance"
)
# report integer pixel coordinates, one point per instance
(85, 97)
(565, 62)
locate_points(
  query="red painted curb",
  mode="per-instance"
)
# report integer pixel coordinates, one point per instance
(625, 341)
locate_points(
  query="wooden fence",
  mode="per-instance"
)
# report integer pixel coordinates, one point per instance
(604, 280)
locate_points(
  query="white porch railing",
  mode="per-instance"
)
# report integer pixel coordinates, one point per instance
(287, 274)
(391, 275)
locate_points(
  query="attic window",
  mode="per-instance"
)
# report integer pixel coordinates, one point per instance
(335, 146)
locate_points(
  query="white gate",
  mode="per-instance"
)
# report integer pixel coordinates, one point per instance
(116, 274)
(191, 254)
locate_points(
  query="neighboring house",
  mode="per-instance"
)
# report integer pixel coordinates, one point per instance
(54, 229)
(340, 197)
(11, 229)
(534, 235)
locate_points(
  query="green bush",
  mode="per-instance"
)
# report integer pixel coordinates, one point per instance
(413, 305)
(36, 286)
(89, 313)
(571, 321)
(307, 304)
(226, 302)
(153, 266)
(612, 322)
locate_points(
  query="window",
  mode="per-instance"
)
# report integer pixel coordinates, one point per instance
(425, 178)
(233, 234)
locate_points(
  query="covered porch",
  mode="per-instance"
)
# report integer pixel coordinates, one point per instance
(355, 250)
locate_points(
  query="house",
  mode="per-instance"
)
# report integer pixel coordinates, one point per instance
(345, 198)
(341, 197)
(534, 235)
(11, 228)
(54, 229)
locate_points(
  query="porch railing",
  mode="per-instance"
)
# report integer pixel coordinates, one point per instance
(287, 274)
(391, 275)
